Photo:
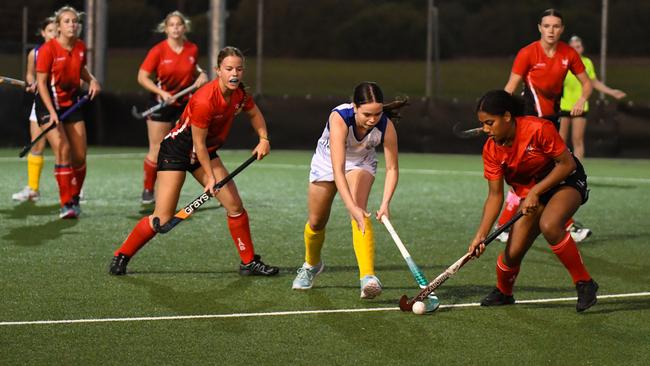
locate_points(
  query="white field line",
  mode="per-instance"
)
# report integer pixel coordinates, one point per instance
(287, 313)
(475, 173)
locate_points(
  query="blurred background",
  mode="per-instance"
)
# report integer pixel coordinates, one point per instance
(304, 58)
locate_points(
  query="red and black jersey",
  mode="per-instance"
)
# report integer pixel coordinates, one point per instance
(208, 108)
(543, 76)
(174, 71)
(530, 158)
(64, 70)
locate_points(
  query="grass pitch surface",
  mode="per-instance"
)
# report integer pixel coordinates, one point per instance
(184, 303)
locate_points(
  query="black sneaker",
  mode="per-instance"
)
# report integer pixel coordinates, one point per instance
(257, 268)
(586, 294)
(118, 265)
(148, 197)
(497, 298)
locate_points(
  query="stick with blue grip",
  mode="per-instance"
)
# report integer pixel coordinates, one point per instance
(417, 273)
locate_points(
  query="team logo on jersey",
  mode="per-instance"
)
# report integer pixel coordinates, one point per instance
(539, 65)
(192, 59)
(166, 61)
(81, 54)
(565, 62)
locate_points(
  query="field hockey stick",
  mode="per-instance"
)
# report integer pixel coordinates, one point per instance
(466, 134)
(415, 270)
(163, 104)
(407, 305)
(52, 126)
(8, 80)
(186, 211)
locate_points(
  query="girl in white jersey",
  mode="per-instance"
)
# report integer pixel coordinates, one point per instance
(48, 30)
(345, 161)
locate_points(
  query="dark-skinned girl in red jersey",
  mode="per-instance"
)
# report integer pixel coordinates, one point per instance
(528, 153)
(169, 67)
(60, 67)
(192, 147)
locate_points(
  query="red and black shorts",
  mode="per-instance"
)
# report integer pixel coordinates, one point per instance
(169, 114)
(577, 179)
(43, 115)
(177, 154)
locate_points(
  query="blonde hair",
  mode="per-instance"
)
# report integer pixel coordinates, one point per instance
(65, 9)
(185, 20)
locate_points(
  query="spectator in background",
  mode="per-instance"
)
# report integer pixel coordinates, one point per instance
(172, 63)
(60, 67)
(31, 192)
(570, 96)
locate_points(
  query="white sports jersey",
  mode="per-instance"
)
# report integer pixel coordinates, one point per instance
(359, 153)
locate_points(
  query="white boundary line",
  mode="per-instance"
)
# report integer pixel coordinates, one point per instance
(306, 167)
(286, 313)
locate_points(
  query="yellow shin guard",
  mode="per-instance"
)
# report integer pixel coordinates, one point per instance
(34, 169)
(313, 244)
(364, 248)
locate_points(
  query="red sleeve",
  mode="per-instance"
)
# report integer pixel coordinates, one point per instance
(492, 170)
(576, 65)
(44, 59)
(201, 113)
(550, 140)
(521, 65)
(150, 63)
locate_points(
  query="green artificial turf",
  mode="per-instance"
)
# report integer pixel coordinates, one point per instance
(57, 270)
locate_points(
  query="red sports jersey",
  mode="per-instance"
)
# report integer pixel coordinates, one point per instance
(544, 76)
(207, 108)
(174, 71)
(63, 68)
(529, 159)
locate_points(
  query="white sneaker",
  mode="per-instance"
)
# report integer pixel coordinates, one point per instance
(27, 194)
(305, 278)
(370, 287)
(578, 232)
(503, 237)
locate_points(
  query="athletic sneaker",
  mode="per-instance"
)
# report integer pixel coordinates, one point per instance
(503, 237)
(68, 212)
(586, 294)
(306, 274)
(148, 197)
(257, 268)
(118, 265)
(26, 194)
(370, 287)
(497, 298)
(578, 232)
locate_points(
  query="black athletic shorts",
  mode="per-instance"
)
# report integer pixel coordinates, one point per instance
(43, 115)
(568, 114)
(170, 113)
(176, 154)
(577, 180)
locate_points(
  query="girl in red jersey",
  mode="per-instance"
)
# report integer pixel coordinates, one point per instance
(529, 154)
(542, 66)
(173, 62)
(31, 192)
(192, 147)
(60, 67)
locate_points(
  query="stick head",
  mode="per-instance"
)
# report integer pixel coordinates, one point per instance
(405, 304)
(134, 112)
(465, 134)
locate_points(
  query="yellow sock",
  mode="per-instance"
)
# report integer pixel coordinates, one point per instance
(34, 169)
(364, 248)
(313, 244)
